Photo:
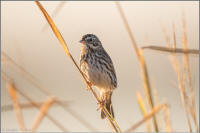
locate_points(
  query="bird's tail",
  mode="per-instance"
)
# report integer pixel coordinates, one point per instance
(108, 104)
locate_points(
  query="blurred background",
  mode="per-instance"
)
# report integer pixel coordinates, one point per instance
(28, 41)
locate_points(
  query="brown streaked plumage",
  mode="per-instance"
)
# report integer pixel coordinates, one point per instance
(97, 66)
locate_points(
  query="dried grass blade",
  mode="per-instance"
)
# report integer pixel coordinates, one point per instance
(188, 73)
(24, 73)
(63, 43)
(172, 50)
(9, 80)
(79, 118)
(184, 97)
(13, 94)
(44, 90)
(9, 107)
(54, 28)
(181, 87)
(142, 63)
(157, 102)
(167, 120)
(147, 116)
(55, 12)
(43, 110)
(143, 109)
(147, 86)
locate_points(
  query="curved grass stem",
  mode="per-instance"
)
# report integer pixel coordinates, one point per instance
(64, 45)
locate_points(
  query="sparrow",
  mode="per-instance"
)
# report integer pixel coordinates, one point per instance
(98, 68)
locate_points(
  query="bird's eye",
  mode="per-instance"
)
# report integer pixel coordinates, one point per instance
(90, 39)
(95, 44)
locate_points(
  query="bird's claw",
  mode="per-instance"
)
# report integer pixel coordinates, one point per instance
(100, 104)
(89, 85)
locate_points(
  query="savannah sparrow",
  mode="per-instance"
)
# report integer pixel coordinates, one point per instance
(98, 68)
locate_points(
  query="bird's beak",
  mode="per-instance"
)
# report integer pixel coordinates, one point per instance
(81, 41)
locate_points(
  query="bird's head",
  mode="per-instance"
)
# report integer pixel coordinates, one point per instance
(91, 41)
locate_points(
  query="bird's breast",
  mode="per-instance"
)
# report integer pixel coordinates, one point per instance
(95, 72)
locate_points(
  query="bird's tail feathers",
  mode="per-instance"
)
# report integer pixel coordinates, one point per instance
(108, 105)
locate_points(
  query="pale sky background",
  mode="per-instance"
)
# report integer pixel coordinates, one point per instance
(40, 53)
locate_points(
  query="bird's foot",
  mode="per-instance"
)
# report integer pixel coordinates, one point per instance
(101, 104)
(88, 85)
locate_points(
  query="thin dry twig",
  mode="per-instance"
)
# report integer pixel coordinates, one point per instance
(9, 107)
(45, 91)
(182, 91)
(13, 94)
(64, 45)
(55, 12)
(142, 63)
(188, 72)
(78, 117)
(147, 116)
(43, 110)
(157, 102)
(143, 110)
(24, 73)
(181, 87)
(10, 81)
(172, 50)
(167, 120)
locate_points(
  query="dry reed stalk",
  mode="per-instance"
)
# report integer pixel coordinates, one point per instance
(9, 107)
(25, 73)
(55, 12)
(167, 120)
(10, 81)
(158, 116)
(172, 50)
(13, 94)
(143, 110)
(182, 91)
(64, 45)
(43, 110)
(181, 86)
(111, 125)
(146, 117)
(188, 72)
(45, 91)
(78, 117)
(142, 64)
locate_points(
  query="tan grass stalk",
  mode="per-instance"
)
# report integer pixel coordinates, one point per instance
(43, 110)
(146, 117)
(184, 97)
(157, 102)
(55, 12)
(142, 63)
(182, 90)
(24, 73)
(189, 77)
(167, 120)
(13, 94)
(64, 45)
(9, 107)
(171, 50)
(143, 110)
(78, 117)
(9, 81)
(45, 91)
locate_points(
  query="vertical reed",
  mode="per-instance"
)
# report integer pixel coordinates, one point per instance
(142, 62)
(187, 71)
(143, 110)
(14, 97)
(41, 114)
(181, 87)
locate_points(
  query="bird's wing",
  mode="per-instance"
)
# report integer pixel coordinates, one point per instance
(109, 65)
